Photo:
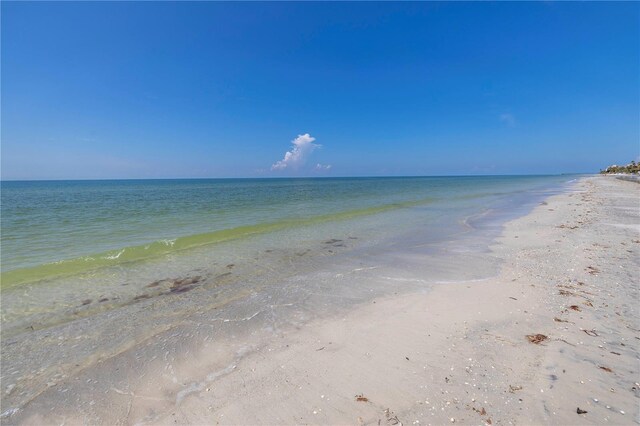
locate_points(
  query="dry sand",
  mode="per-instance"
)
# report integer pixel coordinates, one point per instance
(458, 352)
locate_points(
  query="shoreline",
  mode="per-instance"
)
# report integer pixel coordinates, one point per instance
(459, 352)
(450, 351)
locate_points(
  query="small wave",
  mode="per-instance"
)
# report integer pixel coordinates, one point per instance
(115, 256)
(10, 412)
(402, 279)
(199, 386)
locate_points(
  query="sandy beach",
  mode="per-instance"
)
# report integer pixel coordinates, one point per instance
(553, 338)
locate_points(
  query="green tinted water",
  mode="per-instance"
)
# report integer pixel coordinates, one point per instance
(59, 228)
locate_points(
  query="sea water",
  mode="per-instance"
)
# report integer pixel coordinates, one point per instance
(91, 269)
(83, 225)
(67, 242)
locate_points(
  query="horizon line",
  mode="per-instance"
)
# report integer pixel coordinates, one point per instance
(294, 177)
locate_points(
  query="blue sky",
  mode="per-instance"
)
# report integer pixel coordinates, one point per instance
(200, 89)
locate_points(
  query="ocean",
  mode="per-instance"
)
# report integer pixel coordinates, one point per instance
(55, 228)
(91, 269)
(56, 232)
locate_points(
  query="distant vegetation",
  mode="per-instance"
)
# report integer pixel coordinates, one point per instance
(632, 168)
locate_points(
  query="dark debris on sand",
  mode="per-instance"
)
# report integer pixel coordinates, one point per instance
(536, 338)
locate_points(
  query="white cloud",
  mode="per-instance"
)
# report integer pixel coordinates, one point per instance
(303, 146)
(323, 166)
(508, 119)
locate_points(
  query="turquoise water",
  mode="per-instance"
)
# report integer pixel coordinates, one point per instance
(52, 228)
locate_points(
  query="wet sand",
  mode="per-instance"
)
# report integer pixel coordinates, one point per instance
(554, 333)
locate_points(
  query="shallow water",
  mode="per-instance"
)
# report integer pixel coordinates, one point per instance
(75, 249)
(320, 246)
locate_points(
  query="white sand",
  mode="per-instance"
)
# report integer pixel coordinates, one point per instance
(457, 353)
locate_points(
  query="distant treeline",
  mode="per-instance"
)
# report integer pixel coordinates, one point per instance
(632, 167)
